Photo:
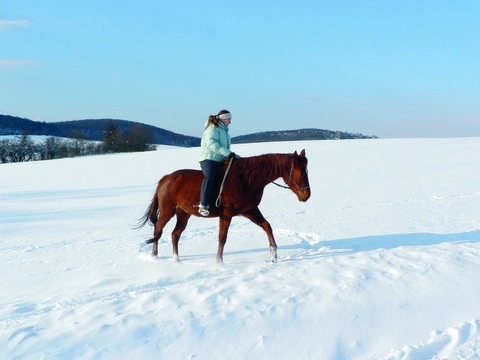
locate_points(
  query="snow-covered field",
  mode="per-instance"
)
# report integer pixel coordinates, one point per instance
(383, 261)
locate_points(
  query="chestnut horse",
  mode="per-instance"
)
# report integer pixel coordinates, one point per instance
(179, 192)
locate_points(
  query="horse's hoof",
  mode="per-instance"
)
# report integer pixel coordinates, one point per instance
(219, 261)
(273, 255)
(175, 258)
(154, 253)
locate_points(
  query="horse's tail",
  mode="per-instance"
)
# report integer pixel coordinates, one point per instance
(151, 214)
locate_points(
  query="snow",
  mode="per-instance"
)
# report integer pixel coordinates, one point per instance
(383, 261)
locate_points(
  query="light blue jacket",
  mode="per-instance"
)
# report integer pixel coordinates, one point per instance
(215, 144)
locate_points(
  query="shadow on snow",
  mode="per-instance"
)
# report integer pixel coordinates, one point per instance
(352, 245)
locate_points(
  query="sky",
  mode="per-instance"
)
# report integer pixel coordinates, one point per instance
(384, 68)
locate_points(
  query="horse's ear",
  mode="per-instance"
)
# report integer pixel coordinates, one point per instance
(302, 154)
(295, 154)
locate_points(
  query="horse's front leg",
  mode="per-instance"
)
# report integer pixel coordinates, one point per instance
(222, 236)
(256, 217)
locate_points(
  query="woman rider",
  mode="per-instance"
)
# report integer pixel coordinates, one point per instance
(214, 149)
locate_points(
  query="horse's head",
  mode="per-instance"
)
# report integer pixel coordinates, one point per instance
(297, 180)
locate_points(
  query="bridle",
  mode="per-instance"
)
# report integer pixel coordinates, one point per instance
(290, 179)
(218, 202)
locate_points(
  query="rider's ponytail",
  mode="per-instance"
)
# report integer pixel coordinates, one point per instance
(215, 119)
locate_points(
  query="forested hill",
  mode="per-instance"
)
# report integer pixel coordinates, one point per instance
(89, 130)
(302, 134)
(94, 130)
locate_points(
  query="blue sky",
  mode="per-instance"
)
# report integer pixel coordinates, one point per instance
(386, 68)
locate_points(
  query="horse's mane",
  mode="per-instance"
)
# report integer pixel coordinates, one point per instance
(270, 166)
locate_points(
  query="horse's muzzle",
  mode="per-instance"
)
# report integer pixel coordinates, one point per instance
(303, 195)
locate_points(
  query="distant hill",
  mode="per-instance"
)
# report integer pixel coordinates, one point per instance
(88, 129)
(302, 134)
(93, 130)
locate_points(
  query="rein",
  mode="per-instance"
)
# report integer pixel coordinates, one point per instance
(218, 202)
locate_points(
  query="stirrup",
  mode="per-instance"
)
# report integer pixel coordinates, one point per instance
(203, 210)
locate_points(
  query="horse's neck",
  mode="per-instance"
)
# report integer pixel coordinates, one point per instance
(275, 166)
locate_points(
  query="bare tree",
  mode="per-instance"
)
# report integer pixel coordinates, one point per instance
(138, 138)
(4, 149)
(22, 149)
(78, 144)
(52, 147)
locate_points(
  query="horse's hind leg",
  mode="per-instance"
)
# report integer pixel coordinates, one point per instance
(155, 244)
(157, 233)
(256, 217)
(182, 220)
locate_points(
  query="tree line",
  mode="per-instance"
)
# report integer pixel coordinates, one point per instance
(22, 148)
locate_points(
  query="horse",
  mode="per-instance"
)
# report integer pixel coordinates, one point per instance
(178, 194)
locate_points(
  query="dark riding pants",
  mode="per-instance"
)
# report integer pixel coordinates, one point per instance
(209, 168)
